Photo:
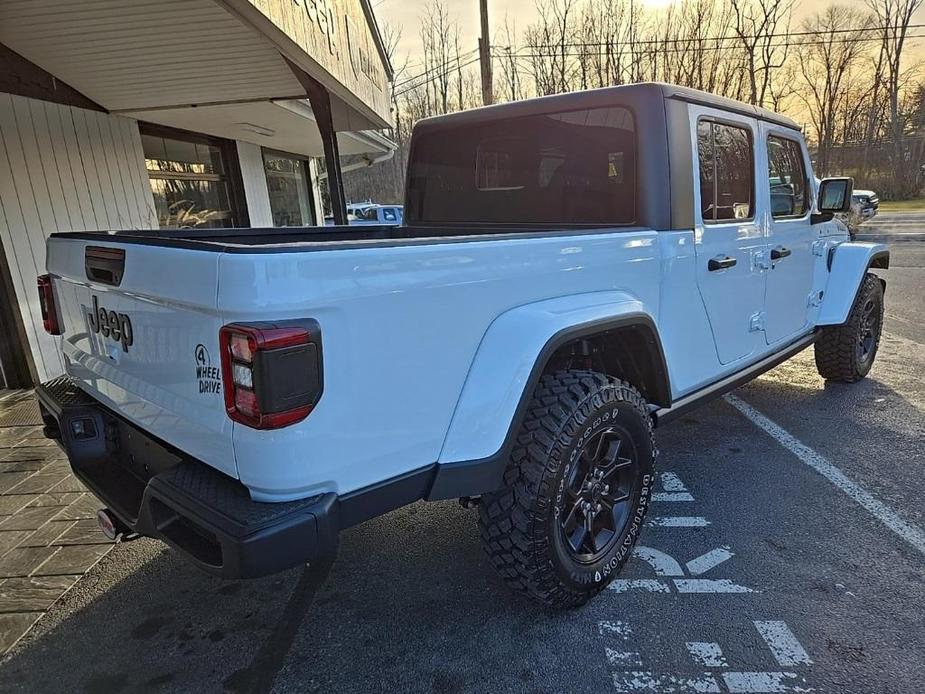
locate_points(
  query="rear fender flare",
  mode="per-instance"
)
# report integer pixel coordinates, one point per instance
(848, 263)
(506, 368)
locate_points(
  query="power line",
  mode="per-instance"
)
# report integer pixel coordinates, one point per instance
(436, 68)
(554, 52)
(664, 46)
(432, 79)
(738, 37)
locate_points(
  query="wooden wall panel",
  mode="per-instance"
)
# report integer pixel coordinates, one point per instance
(63, 169)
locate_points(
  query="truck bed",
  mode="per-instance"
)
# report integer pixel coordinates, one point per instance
(247, 239)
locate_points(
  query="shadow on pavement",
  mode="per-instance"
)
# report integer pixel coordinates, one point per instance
(409, 579)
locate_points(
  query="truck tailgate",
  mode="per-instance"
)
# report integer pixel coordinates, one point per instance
(146, 343)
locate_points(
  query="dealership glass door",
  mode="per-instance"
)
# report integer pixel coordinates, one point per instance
(289, 186)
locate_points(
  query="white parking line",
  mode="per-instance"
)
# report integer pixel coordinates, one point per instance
(672, 496)
(709, 585)
(644, 585)
(678, 522)
(623, 659)
(686, 586)
(663, 564)
(761, 682)
(663, 682)
(707, 653)
(907, 531)
(611, 628)
(707, 561)
(672, 483)
(785, 648)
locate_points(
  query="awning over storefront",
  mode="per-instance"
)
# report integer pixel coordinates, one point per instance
(223, 67)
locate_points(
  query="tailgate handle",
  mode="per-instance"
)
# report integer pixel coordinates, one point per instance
(105, 265)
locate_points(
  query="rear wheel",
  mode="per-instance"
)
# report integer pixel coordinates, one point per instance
(846, 352)
(577, 488)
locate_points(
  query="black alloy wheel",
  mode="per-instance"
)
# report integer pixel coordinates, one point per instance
(599, 492)
(869, 330)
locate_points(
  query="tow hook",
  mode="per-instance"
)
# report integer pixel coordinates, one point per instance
(110, 524)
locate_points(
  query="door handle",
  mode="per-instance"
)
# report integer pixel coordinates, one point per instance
(720, 262)
(779, 252)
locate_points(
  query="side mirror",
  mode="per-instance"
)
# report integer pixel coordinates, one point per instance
(835, 195)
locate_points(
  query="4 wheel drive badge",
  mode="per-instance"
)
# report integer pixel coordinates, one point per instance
(208, 376)
(111, 324)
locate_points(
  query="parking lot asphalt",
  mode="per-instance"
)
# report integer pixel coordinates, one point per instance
(784, 553)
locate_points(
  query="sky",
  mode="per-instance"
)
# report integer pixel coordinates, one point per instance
(406, 15)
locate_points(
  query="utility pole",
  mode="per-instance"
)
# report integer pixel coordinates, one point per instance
(485, 56)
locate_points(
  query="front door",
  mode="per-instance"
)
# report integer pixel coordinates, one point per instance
(729, 236)
(790, 235)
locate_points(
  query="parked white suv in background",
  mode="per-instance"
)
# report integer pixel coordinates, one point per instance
(573, 271)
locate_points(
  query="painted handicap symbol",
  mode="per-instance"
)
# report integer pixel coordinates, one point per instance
(715, 673)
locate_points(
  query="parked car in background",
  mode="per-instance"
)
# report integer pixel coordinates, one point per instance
(379, 214)
(865, 204)
(370, 213)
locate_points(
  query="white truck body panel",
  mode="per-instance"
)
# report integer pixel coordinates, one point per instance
(402, 325)
(170, 296)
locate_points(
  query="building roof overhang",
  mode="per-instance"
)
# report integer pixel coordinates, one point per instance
(207, 65)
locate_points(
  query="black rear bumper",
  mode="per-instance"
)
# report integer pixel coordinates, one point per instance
(160, 492)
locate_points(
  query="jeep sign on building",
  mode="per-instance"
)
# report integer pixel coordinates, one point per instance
(138, 114)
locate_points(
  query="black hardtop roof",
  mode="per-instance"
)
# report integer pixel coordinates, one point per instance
(595, 98)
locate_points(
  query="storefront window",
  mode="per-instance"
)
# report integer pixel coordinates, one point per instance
(290, 190)
(188, 179)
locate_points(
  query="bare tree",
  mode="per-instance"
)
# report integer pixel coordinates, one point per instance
(510, 70)
(437, 42)
(893, 19)
(759, 25)
(827, 57)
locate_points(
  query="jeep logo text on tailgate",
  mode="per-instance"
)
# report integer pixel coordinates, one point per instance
(117, 326)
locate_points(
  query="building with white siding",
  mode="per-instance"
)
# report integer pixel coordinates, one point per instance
(135, 114)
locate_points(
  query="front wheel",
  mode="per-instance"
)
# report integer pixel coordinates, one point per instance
(577, 488)
(846, 352)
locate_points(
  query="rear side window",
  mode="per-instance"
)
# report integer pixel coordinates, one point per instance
(555, 169)
(787, 178)
(727, 172)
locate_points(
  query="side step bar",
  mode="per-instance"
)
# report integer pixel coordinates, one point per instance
(664, 415)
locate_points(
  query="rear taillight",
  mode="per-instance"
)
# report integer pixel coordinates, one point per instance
(271, 371)
(47, 302)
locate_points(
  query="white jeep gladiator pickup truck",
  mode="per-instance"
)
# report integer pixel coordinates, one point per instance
(572, 272)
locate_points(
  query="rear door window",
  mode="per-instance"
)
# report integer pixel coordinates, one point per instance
(561, 169)
(727, 172)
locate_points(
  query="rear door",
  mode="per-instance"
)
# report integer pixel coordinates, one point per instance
(729, 235)
(140, 332)
(790, 234)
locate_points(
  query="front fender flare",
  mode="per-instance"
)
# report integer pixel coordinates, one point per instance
(507, 364)
(848, 264)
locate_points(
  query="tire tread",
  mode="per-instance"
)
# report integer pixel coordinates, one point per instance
(510, 519)
(836, 348)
